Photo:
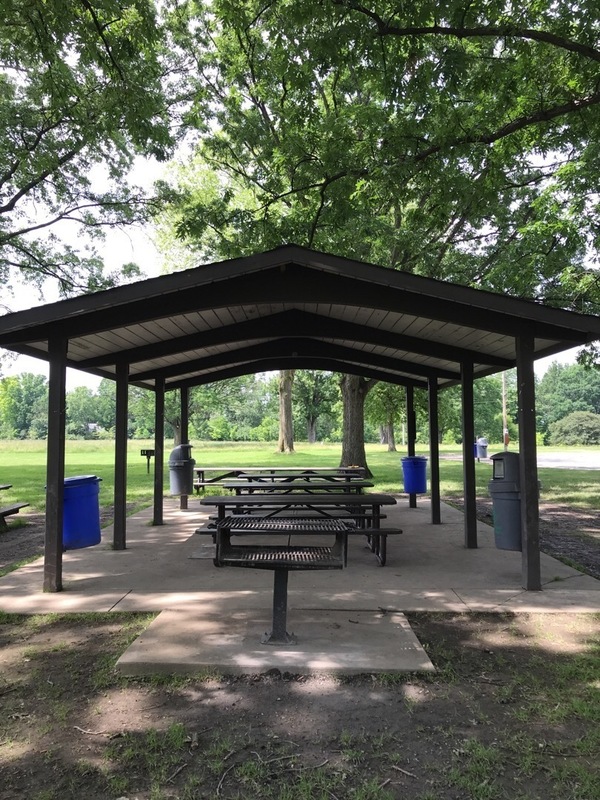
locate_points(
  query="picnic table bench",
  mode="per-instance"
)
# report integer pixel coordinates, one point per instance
(281, 558)
(7, 511)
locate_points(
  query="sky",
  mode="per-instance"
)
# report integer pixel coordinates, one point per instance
(121, 247)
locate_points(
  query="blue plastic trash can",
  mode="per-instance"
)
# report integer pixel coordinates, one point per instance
(414, 470)
(81, 513)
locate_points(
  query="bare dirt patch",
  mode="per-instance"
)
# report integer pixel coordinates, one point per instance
(569, 534)
(512, 712)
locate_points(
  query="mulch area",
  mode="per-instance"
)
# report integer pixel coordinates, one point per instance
(569, 534)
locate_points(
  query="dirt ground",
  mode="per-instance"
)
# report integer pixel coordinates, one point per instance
(512, 712)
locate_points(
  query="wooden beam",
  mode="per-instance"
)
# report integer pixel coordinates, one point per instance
(411, 434)
(55, 465)
(297, 323)
(468, 435)
(300, 347)
(530, 523)
(159, 450)
(184, 398)
(272, 364)
(120, 492)
(434, 452)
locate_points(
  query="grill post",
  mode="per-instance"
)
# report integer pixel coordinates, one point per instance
(278, 634)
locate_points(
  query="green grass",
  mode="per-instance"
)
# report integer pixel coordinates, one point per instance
(23, 464)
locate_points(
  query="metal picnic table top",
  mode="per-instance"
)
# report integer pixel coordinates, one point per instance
(326, 504)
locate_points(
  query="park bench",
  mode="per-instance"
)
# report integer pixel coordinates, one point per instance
(7, 511)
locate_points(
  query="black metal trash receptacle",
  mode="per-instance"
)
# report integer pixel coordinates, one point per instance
(81, 512)
(505, 490)
(414, 472)
(181, 470)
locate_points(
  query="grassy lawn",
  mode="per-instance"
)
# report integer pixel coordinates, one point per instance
(23, 463)
(512, 713)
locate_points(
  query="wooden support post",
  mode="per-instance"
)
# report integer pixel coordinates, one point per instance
(434, 452)
(530, 522)
(55, 465)
(184, 397)
(159, 449)
(120, 493)
(468, 434)
(411, 434)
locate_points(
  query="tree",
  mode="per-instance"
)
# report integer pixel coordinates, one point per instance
(83, 91)
(452, 141)
(23, 402)
(354, 391)
(455, 142)
(315, 393)
(578, 428)
(286, 424)
(386, 405)
(565, 389)
(82, 416)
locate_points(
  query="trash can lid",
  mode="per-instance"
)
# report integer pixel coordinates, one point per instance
(181, 451)
(76, 480)
(414, 458)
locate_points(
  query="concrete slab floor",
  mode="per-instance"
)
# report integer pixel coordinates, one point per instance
(214, 618)
(184, 641)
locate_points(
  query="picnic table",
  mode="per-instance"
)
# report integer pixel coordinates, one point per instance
(287, 474)
(362, 509)
(287, 486)
(214, 476)
(7, 511)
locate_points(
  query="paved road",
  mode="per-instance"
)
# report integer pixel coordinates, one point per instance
(576, 460)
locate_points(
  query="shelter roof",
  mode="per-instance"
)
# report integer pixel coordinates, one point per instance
(293, 308)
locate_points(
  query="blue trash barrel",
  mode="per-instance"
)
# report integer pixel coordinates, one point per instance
(414, 470)
(81, 515)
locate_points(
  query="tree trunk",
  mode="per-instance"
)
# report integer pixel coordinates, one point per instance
(311, 430)
(354, 391)
(286, 426)
(383, 434)
(391, 437)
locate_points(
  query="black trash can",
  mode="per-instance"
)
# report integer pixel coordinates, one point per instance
(505, 490)
(414, 471)
(181, 470)
(81, 512)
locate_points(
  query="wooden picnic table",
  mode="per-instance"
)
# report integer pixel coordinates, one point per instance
(209, 476)
(7, 511)
(297, 485)
(332, 476)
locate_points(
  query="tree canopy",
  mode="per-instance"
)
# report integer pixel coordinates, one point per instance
(83, 90)
(456, 140)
